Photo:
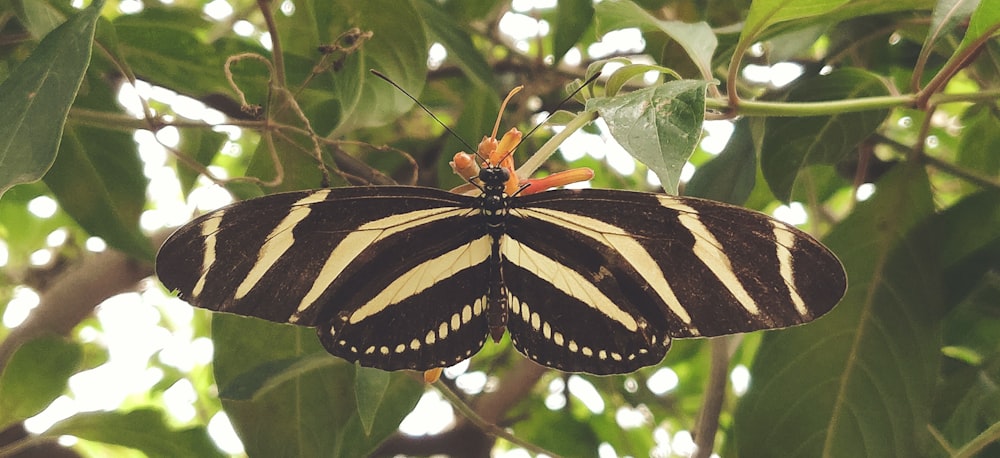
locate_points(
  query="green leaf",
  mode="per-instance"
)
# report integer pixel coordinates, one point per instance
(967, 236)
(293, 153)
(984, 23)
(444, 29)
(764, 13)
(35, 376)
(660, 125)
(201, 145)
(697, 39)
(98, 180)
(731, 175)
(980, 141)
(369, 390)
(970, 250)
(791, 144)
(576, 435)
(572, 21)
(621, 76)
(40, 18)
(948, 14)
(260, 380)
(145, 430)
(398, 52)
(162, 44)
(37, 96)
(312, 410)
(859, 381)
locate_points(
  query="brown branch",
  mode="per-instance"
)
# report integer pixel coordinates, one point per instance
(466, 439)
(74, 294)
(715, 394)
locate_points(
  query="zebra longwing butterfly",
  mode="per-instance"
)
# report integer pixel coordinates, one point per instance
(588, 280)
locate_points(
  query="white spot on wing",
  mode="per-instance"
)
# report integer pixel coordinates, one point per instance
(477, 307)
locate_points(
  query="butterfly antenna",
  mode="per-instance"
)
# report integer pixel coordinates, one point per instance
(422, 107)
(563, 102)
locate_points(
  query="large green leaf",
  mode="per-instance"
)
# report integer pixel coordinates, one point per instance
(980, 141)
(791, 144)
(967, 237)
(370, 387)
(444, 29)
(287, 397)
(36, 374)
(163, 46)
(948, 14)
(984, 23)
(37, 96)
(399, 52)
(859, 381)
(146, 430)
(764, 13)
(200, 145)
(697, 39)
(660, 125)
(98, 180)
(731, 175)
(572, 21)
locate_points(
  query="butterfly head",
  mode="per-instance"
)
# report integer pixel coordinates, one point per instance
(495, 179)
(498, 172)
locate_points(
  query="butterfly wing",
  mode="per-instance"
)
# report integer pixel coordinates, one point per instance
(382, 272)
(634, 269)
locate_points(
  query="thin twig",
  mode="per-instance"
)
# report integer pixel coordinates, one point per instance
(971, 176)
(485, 426)
(977, 444)
(715, 394)
(276, 53)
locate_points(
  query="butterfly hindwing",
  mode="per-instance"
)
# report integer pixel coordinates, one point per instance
(413, 305)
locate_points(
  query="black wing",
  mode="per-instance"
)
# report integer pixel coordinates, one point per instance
(392, 277)
(619, 273)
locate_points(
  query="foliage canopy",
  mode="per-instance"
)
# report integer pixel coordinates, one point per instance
(888, 138)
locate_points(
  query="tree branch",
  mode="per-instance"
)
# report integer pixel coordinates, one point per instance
(76, 292)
